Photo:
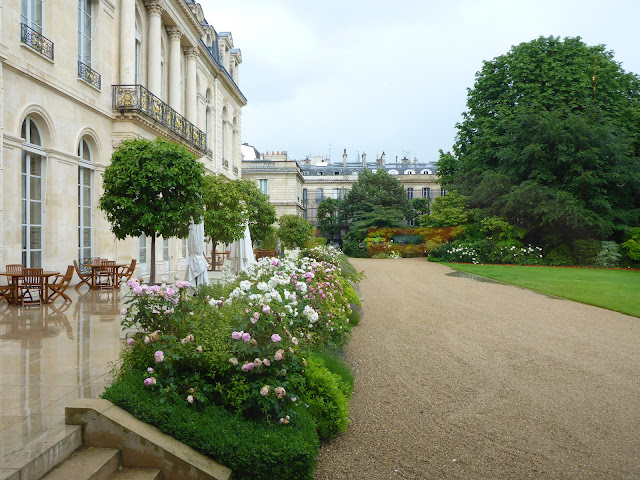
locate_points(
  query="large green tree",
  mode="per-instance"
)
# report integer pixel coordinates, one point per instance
(225, 217)
(260, 213)
(328, 215)
(294, 231)
(550, 141)
(152, 188)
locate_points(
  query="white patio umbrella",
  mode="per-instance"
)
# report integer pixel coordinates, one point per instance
(242, 252)
(196, 273)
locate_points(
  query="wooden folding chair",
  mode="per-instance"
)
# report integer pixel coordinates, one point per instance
(60, 284)
(107, 275)
(32, 283)
(85, 277)
(127, 273)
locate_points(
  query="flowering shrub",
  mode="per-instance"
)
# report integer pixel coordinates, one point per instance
(245, 345)
(407, 242)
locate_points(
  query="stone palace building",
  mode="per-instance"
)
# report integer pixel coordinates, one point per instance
(76, 78)
(298, 186)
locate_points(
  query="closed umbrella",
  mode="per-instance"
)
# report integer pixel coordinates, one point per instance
(242, 252)
(196, 263)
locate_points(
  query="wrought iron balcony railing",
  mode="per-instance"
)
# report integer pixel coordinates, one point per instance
(37, 41)
(225, 163)
(138, 98)
(89, 75)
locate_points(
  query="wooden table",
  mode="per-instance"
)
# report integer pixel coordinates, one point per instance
(15, 277)
(95, 267)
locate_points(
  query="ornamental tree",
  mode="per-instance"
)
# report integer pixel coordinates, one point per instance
(260, 213)
(329, 218)
(550, 141)
(152, 187)
(294, 231)
(225, 216)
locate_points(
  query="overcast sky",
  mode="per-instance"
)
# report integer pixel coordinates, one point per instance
(392, 75)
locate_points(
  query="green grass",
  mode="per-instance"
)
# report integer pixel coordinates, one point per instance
(617, 290)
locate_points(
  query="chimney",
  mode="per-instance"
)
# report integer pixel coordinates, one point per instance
(364, 160)
(344, 158)
(383, 159)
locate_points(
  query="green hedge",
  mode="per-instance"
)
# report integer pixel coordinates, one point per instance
(254, 450)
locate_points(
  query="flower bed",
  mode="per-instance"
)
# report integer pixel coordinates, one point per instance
(407, 242)
(255, 348)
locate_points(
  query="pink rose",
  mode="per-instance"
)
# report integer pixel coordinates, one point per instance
(130, 341)
(294, 340)
(233, 361)
(237, 335)
(159, 355)
(247, 367)
(150, 370)
(150, 381)
(275, 338)
(246, 337)
(137, 289)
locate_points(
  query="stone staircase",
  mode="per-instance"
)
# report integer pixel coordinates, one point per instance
(99, 464)
(101, 441)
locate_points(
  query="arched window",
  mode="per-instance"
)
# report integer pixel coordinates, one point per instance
(32, 194)
(425, 172)
(31, 14)
(85, 202)
(393, 172)
(138, 49)
(409, 172)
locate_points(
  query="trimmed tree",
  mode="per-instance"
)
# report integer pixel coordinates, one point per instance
(294, 231)
(152, 188)
(226, 213)
(260, 213)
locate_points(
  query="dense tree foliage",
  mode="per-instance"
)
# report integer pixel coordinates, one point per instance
(152, 188)
(446, 211)
(294, 231)
(329, 217)
(551, 141)
(225, 217)
(260, 213)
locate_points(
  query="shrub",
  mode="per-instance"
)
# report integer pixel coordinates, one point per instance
(560, 256)
(609, 255)
(254, 450)
(585, 251)
(631, 247)
(325, 397)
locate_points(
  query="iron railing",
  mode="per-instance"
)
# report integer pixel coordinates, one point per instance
(86, 73)
(138, 98)
(36, 41)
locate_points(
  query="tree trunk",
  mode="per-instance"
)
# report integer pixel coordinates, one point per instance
(152, 272)
(213, 253)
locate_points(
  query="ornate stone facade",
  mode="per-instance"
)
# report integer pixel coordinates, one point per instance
(76, 78)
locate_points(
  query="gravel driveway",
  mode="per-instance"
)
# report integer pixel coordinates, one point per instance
(461, 379)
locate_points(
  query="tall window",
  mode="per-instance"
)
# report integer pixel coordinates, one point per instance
(85, 12)
(142, 248)
(138, 50)
(319, 195)
(224, 137)
(208, 115)
(443, 192)
(337, 193)
(409, 193)
(84, 202)
(426, 192)
(31, 14)
(262, 185)
(233, 142)
(184, 248)
(165, 249)
(31, 194)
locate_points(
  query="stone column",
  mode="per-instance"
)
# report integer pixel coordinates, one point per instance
(128, 42)
(154, 61)
(191, 94)
(175, 97)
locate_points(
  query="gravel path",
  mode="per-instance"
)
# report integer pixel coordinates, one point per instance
(460, 379)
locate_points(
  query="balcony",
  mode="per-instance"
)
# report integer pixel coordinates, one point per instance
(138, 99)
(36, 41)
(89, 75)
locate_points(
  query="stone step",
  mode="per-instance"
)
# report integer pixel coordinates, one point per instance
(137, 474)
(87, 464)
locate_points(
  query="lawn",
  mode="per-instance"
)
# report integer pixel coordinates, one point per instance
(617, 290)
